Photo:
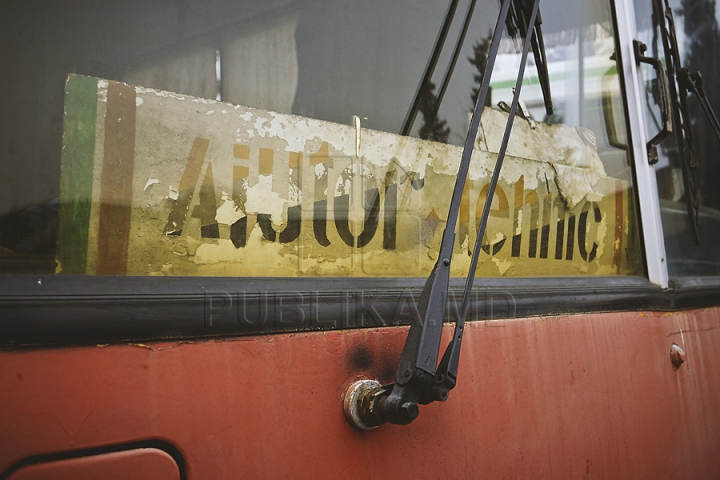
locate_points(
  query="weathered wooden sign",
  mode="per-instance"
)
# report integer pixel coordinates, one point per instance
(157, 183)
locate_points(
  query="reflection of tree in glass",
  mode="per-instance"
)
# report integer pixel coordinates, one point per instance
(433, 128)
(701, 28)
(481, 48)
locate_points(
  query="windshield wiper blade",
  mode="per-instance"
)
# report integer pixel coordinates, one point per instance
(429, 69)
(541, 64)
(418, 379)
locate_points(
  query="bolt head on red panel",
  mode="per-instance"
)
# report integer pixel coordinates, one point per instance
(677, 355)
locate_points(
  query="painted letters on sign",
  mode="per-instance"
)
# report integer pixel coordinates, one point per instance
(186, 186)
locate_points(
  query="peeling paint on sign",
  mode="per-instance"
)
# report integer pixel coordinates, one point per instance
(258, 193)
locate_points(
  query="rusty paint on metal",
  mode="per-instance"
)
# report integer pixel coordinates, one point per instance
(357, 405)
(536, 398)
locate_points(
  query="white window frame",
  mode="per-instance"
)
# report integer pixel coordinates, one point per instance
(646, 181)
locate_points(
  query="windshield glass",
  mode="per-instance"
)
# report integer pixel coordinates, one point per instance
(698, 40)
(254, 138)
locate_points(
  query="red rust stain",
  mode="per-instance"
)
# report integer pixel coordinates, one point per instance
(557, 397)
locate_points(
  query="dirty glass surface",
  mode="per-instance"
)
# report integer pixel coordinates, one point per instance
(698, 36)
(255, 138)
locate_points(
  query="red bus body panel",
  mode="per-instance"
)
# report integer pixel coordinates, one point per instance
(582, 396)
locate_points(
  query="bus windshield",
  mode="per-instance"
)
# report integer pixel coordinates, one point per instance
(271, 139)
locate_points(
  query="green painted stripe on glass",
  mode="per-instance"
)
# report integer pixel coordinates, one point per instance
(76, 173)
(589, 73)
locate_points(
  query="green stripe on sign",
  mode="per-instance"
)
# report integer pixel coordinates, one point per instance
(76, 172)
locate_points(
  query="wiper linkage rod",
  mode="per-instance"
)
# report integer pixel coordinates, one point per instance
(418, 379)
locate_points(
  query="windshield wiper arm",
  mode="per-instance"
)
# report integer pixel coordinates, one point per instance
(682, 82)
(455, 55)
(418, 380)
(692, 82)
(446, 376)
